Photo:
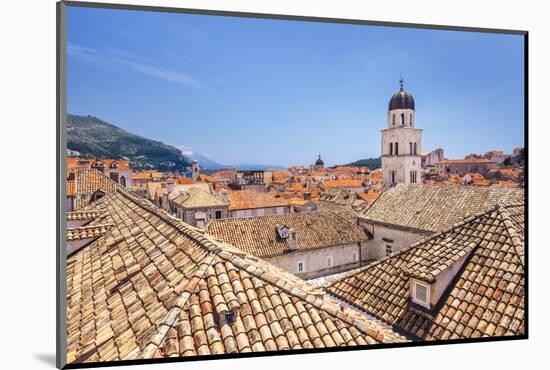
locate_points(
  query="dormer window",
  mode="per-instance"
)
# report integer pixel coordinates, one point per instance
(283, 232)
(420, 293)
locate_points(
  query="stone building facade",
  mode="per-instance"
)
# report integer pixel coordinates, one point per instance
(401, 142)
(309, 244)
(430, 159)
(407, 213)
(321, 262)
(196, 206)
(464, 166)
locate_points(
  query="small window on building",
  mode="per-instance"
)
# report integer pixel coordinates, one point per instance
(415, 153)
(391, 148)
(411, 120)
(421, 293)
(389, 250)
(413, 177)
(410, 148)
(329, 261)
(218, 215)
(300, 266)
(393, 119)
(396, 148)
(402, 118)
(354, 257)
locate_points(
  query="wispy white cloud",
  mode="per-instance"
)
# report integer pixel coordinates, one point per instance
(185, 150)
(112, 58)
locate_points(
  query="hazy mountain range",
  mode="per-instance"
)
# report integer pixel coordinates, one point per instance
(93, 137)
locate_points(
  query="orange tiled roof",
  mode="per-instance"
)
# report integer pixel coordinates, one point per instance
(196, 296)
(147, 175)
(259, 236)
(184, 180)
(224, 173)
(72, 162)
(481, 182)
(85, 182)
(505, 183)
(485, 299)
(369, 197)
(467, 161)
(341, 183)
(433, 208)
(297, 187)
(281, 175)
(349, 169)
(319, 173)
(251, 199)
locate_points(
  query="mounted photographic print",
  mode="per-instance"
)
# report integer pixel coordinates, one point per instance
(236, 185)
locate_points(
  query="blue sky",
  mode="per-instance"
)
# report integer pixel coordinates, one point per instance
(276, 92)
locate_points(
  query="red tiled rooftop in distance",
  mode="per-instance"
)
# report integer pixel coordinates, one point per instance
(467, 161)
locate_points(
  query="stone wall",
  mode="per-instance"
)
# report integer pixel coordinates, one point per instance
(344, 257)
(405, 161)
(188, 215)
(386, 235)
(240, 213)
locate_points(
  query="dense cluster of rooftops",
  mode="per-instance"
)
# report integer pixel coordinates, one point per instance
(143, 284)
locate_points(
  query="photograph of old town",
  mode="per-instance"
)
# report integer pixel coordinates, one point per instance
(243, 185)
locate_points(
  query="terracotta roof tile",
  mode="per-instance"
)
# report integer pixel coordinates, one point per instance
(152, 286)
(259, 236)
(251, 199)
(466, 161)
(436, 207)
(86, 232)
(344, 183)
(196, 197)
(369, 197)
(83, 183)
(486, 298)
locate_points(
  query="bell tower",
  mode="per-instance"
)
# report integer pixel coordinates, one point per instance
(401, 142)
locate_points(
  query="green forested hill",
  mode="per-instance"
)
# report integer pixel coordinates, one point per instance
(93, 137)
(371, 163)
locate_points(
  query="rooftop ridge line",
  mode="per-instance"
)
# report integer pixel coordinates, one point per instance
(510, 229)
(171, 318)
(221, 251)
(419, 242)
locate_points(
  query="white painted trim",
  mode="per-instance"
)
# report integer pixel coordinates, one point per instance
(413, 293)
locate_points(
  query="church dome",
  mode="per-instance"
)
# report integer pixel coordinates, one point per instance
(319, 161)
(401, 99)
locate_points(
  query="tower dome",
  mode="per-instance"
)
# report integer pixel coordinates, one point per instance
(401, 99)
(319, 161)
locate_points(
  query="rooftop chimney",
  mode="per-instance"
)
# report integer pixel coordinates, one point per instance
(292, 240)
(170, 185)
(307, 195)
(200, 218)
